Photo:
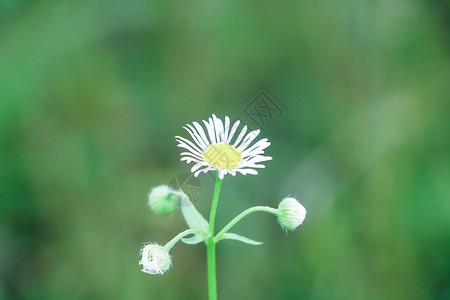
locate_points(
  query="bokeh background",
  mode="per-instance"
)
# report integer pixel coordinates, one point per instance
(92, 94)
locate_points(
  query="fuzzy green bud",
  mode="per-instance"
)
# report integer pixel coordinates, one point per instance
(155, 259)
(290, 213)
(163, 199)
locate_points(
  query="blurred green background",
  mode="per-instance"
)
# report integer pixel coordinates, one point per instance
(92, 94)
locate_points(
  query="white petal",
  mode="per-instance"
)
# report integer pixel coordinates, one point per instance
(210, 129)
(182, 145)
(256, 166)
(192, 155)
(241, 135)
(199, 137)
(252, 153)
(201, 132)
(219, 129)
(195, 137)
(257, 148)
(197, 166)
(233, 130)
(190, 159)
(248, 139)
(247, 171)
(257, 159)
(250, 165)
(227, 128)
(187, 147)
(202, 170)
(188, 142)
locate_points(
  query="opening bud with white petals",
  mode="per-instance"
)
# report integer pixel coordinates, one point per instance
(155, 259)
(291, 213)
(164, 199)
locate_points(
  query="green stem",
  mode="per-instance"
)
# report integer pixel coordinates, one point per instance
(211, 245)
(246, 212)
(181, 235)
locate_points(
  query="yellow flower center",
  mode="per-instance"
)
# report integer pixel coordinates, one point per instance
(222, 155)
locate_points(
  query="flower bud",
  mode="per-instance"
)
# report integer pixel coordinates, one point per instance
(290, 213)
(163, 199)
(155, 259)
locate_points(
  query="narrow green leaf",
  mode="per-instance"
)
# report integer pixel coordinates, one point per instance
(197, 238)
(237, 237)
(194, 220)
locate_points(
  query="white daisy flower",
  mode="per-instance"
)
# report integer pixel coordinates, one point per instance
(220, 151)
